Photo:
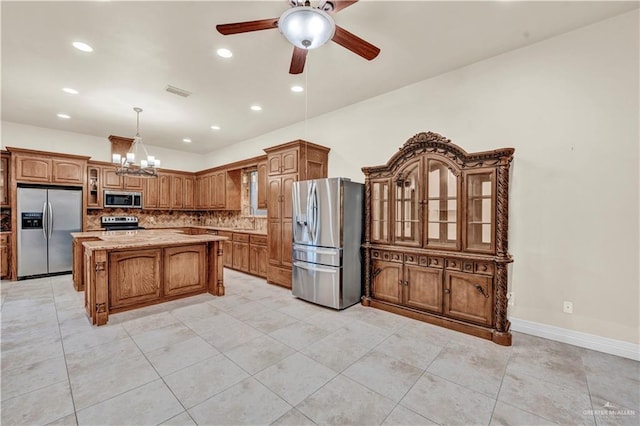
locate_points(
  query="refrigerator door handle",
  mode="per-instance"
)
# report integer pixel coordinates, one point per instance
(313, 217)
(50, 219)
(44, 220)
(310, 267)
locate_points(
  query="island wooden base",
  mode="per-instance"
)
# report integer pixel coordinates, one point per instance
(122, 279)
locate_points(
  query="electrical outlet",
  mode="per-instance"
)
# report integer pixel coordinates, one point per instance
(511, 298)
(567, 307)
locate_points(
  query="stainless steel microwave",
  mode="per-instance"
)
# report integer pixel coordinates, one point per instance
(132, 200)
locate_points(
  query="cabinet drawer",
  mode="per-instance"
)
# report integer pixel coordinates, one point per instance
(411, 259)
(241, 237)
(388, 256)
(258, 240)
(485, 268)
(454, 264)
(225, 234)
(467, 266)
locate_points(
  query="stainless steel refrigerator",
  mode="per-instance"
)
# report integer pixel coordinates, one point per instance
(327, 235)
(46, 217)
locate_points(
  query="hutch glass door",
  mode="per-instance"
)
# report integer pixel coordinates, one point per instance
(407, 205)
(442, 206)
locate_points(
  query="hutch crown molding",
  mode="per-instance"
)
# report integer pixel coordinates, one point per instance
(435, 247)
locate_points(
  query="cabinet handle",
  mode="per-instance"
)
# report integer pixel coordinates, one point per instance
(447, 291)
(481, 290)
(377, 272)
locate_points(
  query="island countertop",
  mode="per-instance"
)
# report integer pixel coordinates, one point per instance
(118, 240)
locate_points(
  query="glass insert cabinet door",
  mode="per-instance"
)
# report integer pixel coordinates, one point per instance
(480, 192)
(407, 205)
(442, 206)
(380, 211)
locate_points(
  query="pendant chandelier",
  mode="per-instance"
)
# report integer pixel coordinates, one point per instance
(127, 164)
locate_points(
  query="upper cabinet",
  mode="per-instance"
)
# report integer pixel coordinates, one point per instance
(4, 180)
(436, 236)
(44, 167)
(262, 185)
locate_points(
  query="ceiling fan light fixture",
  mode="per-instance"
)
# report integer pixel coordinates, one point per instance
(306, 27)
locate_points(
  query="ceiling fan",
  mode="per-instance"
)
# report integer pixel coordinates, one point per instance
(307, 27)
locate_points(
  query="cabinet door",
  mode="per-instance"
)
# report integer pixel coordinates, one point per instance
(289, 161)
(68, 171)
(204, 192)
(262, 185)
(408, 205)
(221, 190)
(133, 183)
(227, 254)
(5, 243)
(423, 288)
(274, 240)
(442, 215)
(273, 164)
(33, 169)
(258, 260)
(287, 196)
(380, 211)
(4, 181)
(469, 297)
(177, 192)
(150, 196)
(287, 242)
(241, 256)
(480, 210)
(110, 180)
(274, 199)
(184, 269)
(189, 192)
(94, 187)
(164, 191)
(386, 281)
(134, 277)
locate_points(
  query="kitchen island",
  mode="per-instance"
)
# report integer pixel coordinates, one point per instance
(129, 269)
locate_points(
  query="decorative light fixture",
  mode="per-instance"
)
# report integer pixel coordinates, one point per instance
(306, 27)
(127, 165)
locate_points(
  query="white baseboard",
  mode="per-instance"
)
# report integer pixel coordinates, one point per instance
(577, 338)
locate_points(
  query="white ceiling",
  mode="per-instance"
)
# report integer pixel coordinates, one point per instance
(141, 47)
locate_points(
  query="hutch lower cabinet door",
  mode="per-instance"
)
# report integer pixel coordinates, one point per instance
(435, 249)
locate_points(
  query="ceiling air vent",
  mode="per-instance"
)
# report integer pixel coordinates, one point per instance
(178, 91)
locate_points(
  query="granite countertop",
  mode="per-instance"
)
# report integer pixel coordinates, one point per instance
(240, 230)
(113, 240)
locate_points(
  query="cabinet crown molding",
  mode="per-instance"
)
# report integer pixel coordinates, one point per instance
(431, 142)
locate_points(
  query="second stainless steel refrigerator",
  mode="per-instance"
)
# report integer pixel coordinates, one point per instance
(46, 217)
(327, 235)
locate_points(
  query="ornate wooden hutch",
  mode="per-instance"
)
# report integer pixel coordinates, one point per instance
(436, 236)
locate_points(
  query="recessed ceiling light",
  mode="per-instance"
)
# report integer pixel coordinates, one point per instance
(70, 90)
(65, 116)
(297, 89)
(215, 127)
(82, 46)
(186, 140)
(256, 108)
(224, 53)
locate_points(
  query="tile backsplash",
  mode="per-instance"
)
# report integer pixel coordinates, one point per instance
(171, 218)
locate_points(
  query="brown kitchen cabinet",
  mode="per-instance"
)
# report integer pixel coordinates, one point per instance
(134, 277)
(436, 236)
(44, 167)
(240, 252)
(94, 186)
(5, 256)
(258, 255)
(227, 248)
(185, 269)
(189, 192)
(164, 190)
(287, 163)
(262, 185)
(4, 180)
(177, 192)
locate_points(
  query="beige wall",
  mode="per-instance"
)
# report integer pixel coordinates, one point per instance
(99, 149)
(569, 106)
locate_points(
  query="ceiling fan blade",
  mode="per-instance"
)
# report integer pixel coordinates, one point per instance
(338, 5)
(355, 44)
(245, 27)
(297, 60)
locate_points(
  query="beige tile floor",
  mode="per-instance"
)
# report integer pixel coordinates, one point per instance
(260, 356)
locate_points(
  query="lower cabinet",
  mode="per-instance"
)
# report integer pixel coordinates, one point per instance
(245, 252)
(424, 283)
(179, 274)
(134, 277)
(5, 245)
(137, 277)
